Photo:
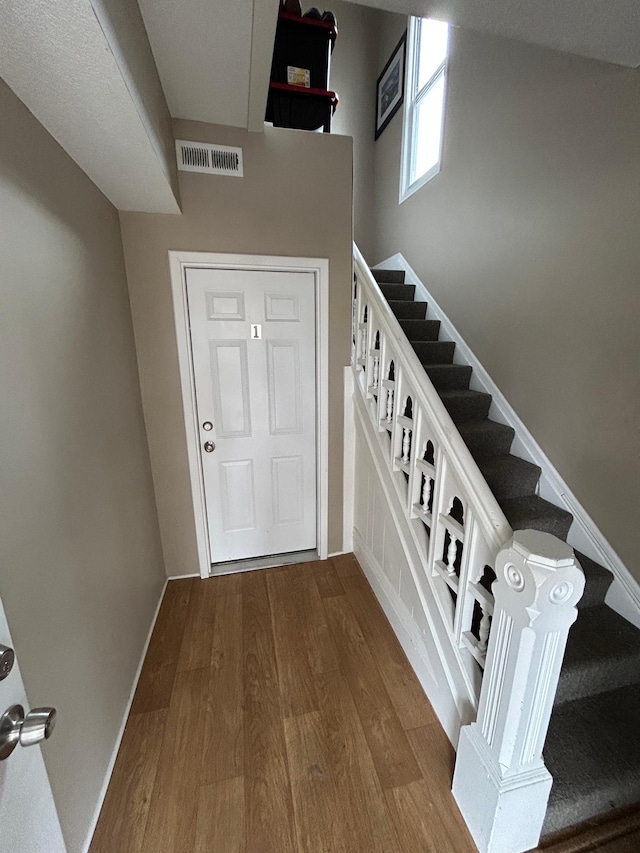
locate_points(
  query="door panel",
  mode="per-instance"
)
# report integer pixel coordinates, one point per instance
(259, 391)
(28, 818)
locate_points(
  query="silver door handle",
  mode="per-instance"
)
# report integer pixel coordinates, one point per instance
(209, 446)
(15, 728)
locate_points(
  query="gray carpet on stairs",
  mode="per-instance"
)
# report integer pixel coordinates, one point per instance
(593, 746)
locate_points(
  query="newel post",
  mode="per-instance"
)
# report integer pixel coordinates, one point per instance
(500, 781)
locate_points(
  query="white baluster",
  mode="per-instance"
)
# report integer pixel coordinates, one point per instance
(483, 631)
(500, 781)
(452, 552)
(389, 405)
(376, 370)
(406, 444)
(427, 485)
(363, 344)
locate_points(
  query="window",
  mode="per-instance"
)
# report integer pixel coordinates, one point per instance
(424, 103)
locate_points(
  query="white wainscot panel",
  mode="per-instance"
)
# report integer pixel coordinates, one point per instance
(237, 495)
(225, 306)
(230, 388)
(287, 491)
(281, 307)
(283, 371)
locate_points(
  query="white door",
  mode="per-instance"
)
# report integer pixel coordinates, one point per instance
(28, 817)
(254, 359)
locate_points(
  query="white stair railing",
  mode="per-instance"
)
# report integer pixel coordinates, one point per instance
(465, 542)
(456, 522)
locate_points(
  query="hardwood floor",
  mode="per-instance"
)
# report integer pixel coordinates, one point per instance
(277, 713)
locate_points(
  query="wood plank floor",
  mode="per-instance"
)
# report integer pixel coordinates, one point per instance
(276, 713)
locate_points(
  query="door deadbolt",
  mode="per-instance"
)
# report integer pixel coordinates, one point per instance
(7, 658)
(15, 728)
(209, 446)
(207, 426)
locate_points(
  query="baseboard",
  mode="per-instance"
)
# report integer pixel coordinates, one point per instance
(584, 535)
(182, 577)
(125, 717)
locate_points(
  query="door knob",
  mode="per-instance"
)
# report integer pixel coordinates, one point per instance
(209, 446)
(38, 725)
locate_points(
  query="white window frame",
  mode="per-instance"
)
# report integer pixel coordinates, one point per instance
(412, 101)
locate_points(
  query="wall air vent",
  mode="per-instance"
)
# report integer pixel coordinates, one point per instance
(212, 159)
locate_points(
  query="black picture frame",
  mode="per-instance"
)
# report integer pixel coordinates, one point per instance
(390, 86)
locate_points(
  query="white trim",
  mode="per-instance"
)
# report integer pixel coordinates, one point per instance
(349, 463)
(624, 594)
(178, 263)
(125, 717)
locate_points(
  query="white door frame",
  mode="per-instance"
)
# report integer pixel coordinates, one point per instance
(178, 263)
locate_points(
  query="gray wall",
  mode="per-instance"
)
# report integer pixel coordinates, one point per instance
(353, 76)
(529, 240)
(295, 200)
(81, 560)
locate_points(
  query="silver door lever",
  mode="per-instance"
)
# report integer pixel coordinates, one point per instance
(16, 728)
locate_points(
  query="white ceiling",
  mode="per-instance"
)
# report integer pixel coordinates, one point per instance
(599, 29)
(203, 52)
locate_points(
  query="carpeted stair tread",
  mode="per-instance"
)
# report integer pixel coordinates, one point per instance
(392, 276)
(466, 405)
(593, 753)
(405, 309)
(603, 653)
(398, 291)
(486, 437)
(421, 330)
(449, 377)
(509, 476)
(534, 513)
(434, 352)
(598, 580)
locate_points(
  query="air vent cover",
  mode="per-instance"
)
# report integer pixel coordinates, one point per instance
(212, 159)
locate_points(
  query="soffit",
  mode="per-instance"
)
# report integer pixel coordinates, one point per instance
(203, 55)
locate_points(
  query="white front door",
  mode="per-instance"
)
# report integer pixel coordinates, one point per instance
(254, 361)
(28, 817)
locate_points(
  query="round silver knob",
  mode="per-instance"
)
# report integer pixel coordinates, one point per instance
(209, 446)
(15, 728)
(38, 725)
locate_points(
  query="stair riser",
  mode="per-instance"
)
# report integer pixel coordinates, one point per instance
(489, 444)
(557, 526)
(516, 485)
(393, 276)
(408, 310)
(472, 409)
(421, 330)
(595, 592)
(592, 678)
(450, 378)
(434, 352)
(398, 291)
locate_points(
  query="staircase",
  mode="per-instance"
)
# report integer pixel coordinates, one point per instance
(593, 744)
